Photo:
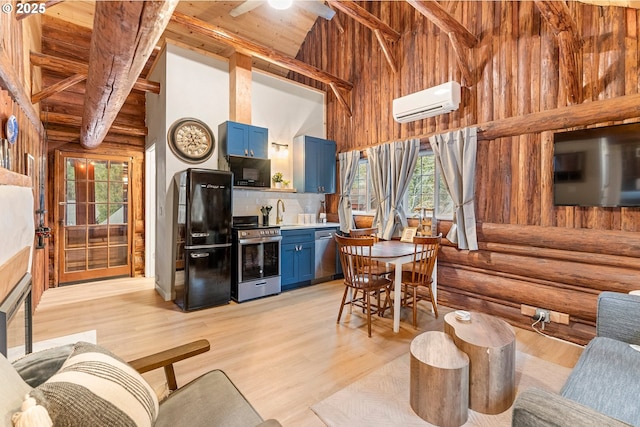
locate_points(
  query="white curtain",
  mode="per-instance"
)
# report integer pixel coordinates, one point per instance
(379, 166)
(348, 171)
(404, 156)
(391, 167)
(456, 154)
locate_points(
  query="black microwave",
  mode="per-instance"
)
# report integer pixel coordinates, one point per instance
(250, 172)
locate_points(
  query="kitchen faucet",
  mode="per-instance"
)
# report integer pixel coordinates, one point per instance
(279, 215)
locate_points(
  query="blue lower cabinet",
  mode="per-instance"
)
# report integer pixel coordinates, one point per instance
(297, 265)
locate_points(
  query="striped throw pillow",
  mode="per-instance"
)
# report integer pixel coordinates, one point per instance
(94, 388)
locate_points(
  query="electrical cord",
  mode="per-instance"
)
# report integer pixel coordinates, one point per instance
(533, 326)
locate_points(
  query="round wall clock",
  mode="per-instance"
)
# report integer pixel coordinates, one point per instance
(191, 140)
(11, 129)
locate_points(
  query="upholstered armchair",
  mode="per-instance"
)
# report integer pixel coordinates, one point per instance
(85, 385)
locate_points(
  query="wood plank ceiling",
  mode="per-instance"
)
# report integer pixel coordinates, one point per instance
(271, 37)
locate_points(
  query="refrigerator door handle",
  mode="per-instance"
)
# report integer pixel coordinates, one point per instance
(199, 255)
(196, 247)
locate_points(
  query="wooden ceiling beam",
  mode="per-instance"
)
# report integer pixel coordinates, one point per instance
(443, 20)
(124, 36)
(461, 39)
(10, 81)
(58, 87)
(336, 19)
(61, 65)
(558, 17)
(267, 54)
(51, 118)
(391, 60)
(379, 28)
(363, 16)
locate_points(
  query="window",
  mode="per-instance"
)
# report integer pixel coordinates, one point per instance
(425, 189)
(362, 197)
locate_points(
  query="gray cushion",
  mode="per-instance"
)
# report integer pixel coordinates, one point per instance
(211, 399)
(12, 391)
(540, 408)
(614, 319)
(36, 368)
(607, 379)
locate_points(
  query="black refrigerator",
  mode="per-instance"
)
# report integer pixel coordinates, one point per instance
(202, 238)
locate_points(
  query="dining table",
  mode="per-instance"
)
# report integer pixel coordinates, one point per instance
(397, 253)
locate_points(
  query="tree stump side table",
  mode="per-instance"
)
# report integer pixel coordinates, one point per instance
(490, 344)
(439, 378)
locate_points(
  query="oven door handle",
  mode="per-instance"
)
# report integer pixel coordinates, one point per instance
(254, 240)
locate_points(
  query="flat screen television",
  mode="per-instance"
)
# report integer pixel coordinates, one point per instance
(597, 167)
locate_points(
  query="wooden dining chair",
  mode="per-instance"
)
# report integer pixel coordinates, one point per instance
(378, 268)
(416, 276)
(364, 232)
(355, 257)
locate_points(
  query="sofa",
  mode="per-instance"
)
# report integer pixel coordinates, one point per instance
(85, 385)
(604, 386)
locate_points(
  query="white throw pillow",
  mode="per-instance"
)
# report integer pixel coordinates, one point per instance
(95, 388)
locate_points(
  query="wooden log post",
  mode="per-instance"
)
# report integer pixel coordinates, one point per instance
(558, 16)
(124, 36)
(240, 88)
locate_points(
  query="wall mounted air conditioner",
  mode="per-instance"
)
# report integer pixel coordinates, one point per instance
(427, 103)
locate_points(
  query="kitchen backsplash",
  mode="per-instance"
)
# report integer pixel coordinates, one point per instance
(248, 202)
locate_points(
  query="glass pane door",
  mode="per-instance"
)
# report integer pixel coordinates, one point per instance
(93, 214)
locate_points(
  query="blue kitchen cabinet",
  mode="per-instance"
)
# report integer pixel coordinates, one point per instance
(297, 258)
(239, 139)
(314, 165)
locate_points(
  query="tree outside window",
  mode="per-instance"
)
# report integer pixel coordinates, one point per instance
(362, 197)
(425, 190)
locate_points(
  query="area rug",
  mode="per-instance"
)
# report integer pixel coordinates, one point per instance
(381, 399)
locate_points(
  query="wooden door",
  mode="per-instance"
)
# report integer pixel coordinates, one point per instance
(93, 216)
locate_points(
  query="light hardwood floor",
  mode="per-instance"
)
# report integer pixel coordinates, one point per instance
(284, 352)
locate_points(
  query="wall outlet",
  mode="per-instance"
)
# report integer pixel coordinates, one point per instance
(543, 312)
(554, 316)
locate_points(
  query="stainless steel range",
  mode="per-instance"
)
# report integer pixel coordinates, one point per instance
(255, 259)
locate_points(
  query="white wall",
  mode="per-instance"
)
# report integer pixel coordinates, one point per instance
(195, 85)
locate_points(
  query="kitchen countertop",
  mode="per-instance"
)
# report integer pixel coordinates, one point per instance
(303, 226)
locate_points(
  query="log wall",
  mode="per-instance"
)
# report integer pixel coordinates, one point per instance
(62, 114)
(15, 87)
(566, 255)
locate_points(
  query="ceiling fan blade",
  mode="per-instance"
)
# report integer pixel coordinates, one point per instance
(245, 7)
(317, 8)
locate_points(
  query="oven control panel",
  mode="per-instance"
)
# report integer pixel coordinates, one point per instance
(259, 232)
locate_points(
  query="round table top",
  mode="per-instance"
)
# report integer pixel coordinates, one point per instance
(482, 330)
(437, 349)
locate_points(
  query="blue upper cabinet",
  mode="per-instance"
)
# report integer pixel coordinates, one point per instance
(314, 165)
(239, 139)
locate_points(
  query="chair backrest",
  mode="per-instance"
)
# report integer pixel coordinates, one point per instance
(355, 257)
(424, 258)
(364, 232)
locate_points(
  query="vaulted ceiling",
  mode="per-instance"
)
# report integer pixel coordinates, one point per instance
(272, 38)
(281, 30)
